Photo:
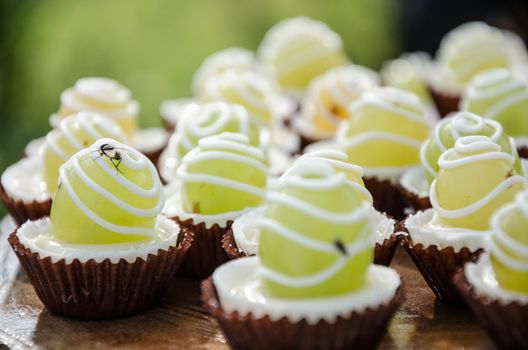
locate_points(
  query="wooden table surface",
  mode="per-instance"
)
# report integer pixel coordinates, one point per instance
(180, 322)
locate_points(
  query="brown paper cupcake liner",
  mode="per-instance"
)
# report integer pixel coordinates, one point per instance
(523, 152)
(153, 156)
(507, 325)
(101, 290)
(23, 212)
(438, 267)
(413, 201)
(306, 141)
(387, 197)
(360, 330)
(206, 252)
(445, 103)
(383, 252)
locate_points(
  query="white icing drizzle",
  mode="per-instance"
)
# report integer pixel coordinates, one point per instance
(100, 95)
(129, 158)
(341, 86)
(291, 33)
(462, 124)
(209, 119)
(254, 90)
(311, 174)
(239, 289)
(501, 238)
(339, 160)
(95, 125)
(236, 58)
(172, 110)
(466, 146)
(491, 84)
(36, 236)
(229, 147)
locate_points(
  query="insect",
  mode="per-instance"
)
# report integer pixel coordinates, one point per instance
(111, 153)
(340, 246)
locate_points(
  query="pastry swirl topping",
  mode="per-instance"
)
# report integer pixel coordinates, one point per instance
(314, 232)
(109, 188)
(224, 173)
(457, 198)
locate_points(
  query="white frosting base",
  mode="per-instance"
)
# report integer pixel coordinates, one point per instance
(247, 236)
(173, 208)
(239, 289)
(7, 225)
(149, 139)
(414, 181)
(23, 181)
(422, 230)
(481, 277)
(306, 127)
(172, 110)
(36, 236)
(35, 147)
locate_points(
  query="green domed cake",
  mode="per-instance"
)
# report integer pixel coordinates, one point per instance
(224, 173)
(108, 193)
(316, 239)
(461, 196)
(74, 134)
(509, 245)
(497, 94)
(461, 124)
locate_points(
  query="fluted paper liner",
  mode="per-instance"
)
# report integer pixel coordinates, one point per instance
(414, 201)
(445, 103)
(438, 267)
(94, 291)
(387, 196)
(154, 155)
(383, 252)
(206, 252)
(523, 151)
(507, 325)
(22, 211)
(361, 330)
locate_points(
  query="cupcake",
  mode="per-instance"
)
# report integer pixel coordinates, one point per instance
(259, 97)
(104, 252)
(496, 286)
(219, 179)
(499, 95)
(108, 97)
(207, 120)
(475, 177)
(171, 111)
(415, 182)
(384, 138)
(466, 51)
(27, 186)
(242, 239)
(327, 100)
(313, 284)
(296, 50)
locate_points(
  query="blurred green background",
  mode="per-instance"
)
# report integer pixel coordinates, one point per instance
(152, 47)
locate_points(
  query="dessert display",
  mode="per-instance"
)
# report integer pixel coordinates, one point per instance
(104, 222)
(327, 100)
(296, 50)
(456, 229)
(243, 237)
(496, 286)
(27, 186)
(111, 99)
(499, 95)
(466, 51)
(415, 183)
(313, 281)
(220, 179)
(384, 138)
